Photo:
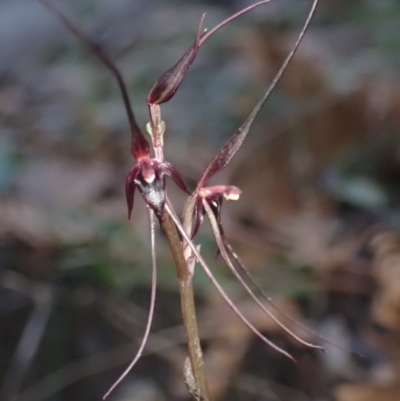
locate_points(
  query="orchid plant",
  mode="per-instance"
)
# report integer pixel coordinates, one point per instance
(148, 177)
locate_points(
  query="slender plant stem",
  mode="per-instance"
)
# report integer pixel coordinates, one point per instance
(157, 129)
(188, 308)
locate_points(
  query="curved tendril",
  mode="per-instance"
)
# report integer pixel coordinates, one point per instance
(306, 329)
(151, 311)
(224, 254)
(221, 291)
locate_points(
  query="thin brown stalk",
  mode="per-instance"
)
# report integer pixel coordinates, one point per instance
(188, 306)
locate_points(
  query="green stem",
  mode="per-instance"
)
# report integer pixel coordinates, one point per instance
(188, 309)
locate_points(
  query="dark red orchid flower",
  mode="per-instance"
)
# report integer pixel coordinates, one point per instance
(148, 177)
(149, 174)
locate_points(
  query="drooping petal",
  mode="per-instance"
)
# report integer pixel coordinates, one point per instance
(268, 299)
(198, 216)
(216, 228)
(226, 153)
(130, 189)
(151, 309)
(218, 287)
(172, 172)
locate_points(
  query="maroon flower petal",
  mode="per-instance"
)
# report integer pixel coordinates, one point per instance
(130, 189)
(170, 171)
(140, 147)
(198, 216)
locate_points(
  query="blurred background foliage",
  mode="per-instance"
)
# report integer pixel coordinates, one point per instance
(317, 223)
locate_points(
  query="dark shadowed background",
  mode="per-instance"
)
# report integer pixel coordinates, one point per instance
(317, 222)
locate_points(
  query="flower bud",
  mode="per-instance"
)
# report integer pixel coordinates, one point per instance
(166, 86)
